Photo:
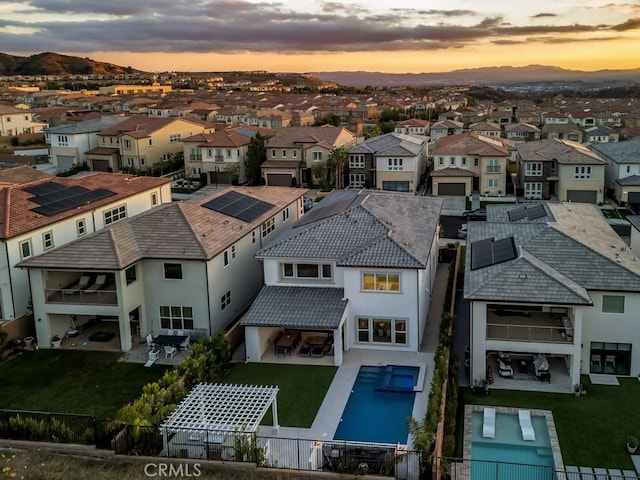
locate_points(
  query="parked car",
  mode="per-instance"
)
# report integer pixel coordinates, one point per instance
(462, 231)
(477, 214)
(307, 203)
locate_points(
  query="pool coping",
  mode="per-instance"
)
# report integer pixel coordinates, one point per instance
(551, 429)
(422, 371)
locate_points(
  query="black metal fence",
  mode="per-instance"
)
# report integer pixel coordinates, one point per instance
(47, 427)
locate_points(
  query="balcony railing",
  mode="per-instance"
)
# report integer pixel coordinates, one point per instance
(493, 169)
(218, 159)
(96, 297)
(195, 156)
(529, 333)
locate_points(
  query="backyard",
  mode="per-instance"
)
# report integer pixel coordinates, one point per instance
(592, 429)
(86, 382)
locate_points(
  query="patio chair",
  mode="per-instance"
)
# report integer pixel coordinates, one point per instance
(81, 285)
(489, 423)
(150, 343)
(98, 284)
(305, 350)
(170, 351)
(596, 364)
(186, 343)
(504, 370)
(525, 425)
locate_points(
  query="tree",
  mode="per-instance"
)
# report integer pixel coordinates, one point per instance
(335, 164)
(319, 171)
(373, 131)
(256, 155)
(233, 172)
(329, 119)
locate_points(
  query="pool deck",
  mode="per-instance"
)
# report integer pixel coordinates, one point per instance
(551, 428)
(328, 416)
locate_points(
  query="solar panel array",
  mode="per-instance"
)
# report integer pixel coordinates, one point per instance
(537, 211)
(237, 205)
(487, 252)
(54, 198)
(325, 211)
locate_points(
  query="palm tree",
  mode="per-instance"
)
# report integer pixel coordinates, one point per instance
(337, 160)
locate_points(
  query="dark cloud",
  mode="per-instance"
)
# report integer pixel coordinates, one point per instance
(576, 39)
(228, 26)
(543, 15)
(631, 24)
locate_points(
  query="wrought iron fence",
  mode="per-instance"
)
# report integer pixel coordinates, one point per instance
(47, 427)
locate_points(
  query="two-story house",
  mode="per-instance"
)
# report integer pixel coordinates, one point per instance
(187, 266)
(293, 153)
(469, 162)
(522, 131)
(486, 128)
(444, 128)
(140, 142)
(221, 155)
(16, 121)
(41, 212)
(553, 294)
(357, 269)
(600, 134)
(69, 142)
(412, 126)
(393, 162)
(622, 171)
(562, 168)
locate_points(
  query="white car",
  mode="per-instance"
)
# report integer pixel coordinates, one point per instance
(462, 231)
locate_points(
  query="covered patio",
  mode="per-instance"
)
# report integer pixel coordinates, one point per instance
(208, 421)
(296, 324)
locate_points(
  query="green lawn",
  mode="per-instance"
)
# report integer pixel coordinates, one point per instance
(301, 388)
(592, 429)
(86, 382)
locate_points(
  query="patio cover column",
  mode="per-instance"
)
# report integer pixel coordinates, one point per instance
(274, 412)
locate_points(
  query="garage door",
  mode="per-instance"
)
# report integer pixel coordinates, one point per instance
(279, 179)
(100, 165)
(633, 197)
(65, 161)
(451, 189)
(582, 196)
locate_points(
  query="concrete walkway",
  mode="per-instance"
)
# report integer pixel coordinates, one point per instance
(432, 330)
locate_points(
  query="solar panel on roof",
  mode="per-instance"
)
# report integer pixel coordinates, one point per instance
(237, 205)
(503, 250)
(56, 198)
(517, 214)
(481, 253)
(321, 212)
(536, 212)
(44, 188)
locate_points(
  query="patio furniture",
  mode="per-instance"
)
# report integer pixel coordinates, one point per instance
(169, 351)
(171, 340)
(525, 425)
(153, 356)
(150, 343)
(287, 342)
(186, 344)
(544, 377)
(504, 370)
(305, 350)
(489, 423)
(596, 364)
(81, 285)
(98, 284)
(506, 359)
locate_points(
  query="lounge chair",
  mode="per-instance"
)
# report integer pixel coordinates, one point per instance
(526, 426)
(153, 356)
(305, 350)
(98, 284)
(317, 351)
(81, 285)
(489, 424)
(504, 370)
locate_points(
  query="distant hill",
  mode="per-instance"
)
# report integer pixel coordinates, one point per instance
(480, 76)
(49, 63)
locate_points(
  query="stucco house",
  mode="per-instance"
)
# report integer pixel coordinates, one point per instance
(358, 269)
(622, 170)
(187, 265)
(469, 162)
(16, 121)
(41, 212)
(393, 162)
(412, 126)
(562, 168)
(545, 283)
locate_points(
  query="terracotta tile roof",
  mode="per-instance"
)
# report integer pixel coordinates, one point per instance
(294, 136)
(19, 175)
(452, 172)
(469, 144)
(16, 217)
(179, 230)
(102, 151)
(141, 126)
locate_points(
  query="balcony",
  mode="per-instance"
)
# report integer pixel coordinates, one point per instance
(195, 157)
(493, 169)
(218, 159)
(99, 297)
(536, 327)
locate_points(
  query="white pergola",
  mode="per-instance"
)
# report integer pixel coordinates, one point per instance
(220, 408)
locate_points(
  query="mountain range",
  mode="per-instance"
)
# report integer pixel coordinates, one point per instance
(49, 63)
(471, 76)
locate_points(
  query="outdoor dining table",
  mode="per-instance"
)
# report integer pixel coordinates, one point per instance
(287, 342)
(173, 340)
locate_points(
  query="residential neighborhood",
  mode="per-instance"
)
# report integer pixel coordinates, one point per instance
(285, 272)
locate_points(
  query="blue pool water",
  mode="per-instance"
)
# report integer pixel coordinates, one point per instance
(535, 457)
(379, 404)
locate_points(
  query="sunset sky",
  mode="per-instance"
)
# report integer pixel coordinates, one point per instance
(310, 35)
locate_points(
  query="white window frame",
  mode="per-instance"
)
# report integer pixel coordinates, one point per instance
(612, 297)
(356, 161)
(582, 172)
(154, 199)
(533, 169)
(317, 156)
(268, 226)
(175, 313)
(129, 280)
(126, 144)
(81, 227)
(492, 183)
(253, 237)
(295, 275)
(284, 153)
(29, 246)
(493, 166)
(441, 161)
(531, 192)
(395, 330)
(285, 214)
(376, 286)
(233, 252)
(150, 142)
(115, 214)
(47, 240)
(356, 180)
(174, 138)
(225, 258)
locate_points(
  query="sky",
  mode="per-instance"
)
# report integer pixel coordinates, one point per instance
(311, 36)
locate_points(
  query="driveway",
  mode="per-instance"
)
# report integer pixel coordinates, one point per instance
(453, 205)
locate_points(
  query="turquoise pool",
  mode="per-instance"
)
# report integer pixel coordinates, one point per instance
(525, 460)
(380, 402)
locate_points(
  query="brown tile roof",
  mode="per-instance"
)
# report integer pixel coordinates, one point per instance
(16, 217)
(452, 172)
(19, 175)
(179, 230)
(563, 151)
(326, 135)
(469, 144)
(102, 151)
(281, 164)
(141, 126)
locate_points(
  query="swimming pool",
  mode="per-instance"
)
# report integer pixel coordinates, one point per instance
(379, 404)
(521, 459)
